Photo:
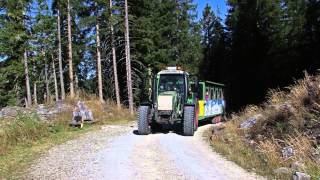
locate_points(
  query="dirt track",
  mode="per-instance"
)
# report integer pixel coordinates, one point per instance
(116, 152)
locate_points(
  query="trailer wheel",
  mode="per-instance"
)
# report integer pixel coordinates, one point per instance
(143, 123)
(188, 121)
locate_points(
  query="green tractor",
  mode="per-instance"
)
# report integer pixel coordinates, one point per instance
(173, 100)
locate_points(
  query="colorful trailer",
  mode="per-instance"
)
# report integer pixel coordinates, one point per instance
(211, 101)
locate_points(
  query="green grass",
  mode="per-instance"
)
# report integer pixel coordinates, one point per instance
(25, 138)
(14, 163)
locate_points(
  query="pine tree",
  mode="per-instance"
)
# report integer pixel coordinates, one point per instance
(72, 94)
(13, 46)
(27, 79)
(128, 58)
(99, 71)
(56, 91)
(63, 93)
(114, 58)
(214, 46)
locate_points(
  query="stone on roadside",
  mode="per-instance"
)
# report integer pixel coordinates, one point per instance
(61, 106)
(287, 152)
(282, 171)
(250, 122)
(13, 111)
(298, 166)
(1, 114)
(301, 176)
(216, 130)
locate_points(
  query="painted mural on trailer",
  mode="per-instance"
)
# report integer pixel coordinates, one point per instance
(214, 107)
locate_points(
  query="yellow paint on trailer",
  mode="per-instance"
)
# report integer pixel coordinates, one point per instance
(201, 107)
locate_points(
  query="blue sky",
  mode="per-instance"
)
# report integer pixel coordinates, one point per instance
(218, 6)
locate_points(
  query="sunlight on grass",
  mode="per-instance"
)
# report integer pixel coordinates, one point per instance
(26, 137)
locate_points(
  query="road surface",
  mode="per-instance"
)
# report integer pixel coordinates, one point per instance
(116, 152)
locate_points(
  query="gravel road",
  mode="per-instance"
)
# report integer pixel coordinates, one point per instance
(116, 152)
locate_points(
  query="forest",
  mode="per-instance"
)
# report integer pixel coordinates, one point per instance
(51, 50)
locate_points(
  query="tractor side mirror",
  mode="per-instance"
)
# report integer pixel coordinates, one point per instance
(193, 88)
(195, 85)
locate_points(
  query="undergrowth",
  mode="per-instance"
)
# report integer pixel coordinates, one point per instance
(25, 137)
(288, 119)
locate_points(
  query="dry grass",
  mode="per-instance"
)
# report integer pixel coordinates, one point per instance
(287, 119)
(25, 137)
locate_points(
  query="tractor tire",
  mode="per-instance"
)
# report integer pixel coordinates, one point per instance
(188, 121)
(143, 120)
(196, 120)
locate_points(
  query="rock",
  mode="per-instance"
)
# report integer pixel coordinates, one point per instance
(287, 152)
(45, 113)
(298, 166)
(217, 128)
(1, 114)
(301, 176)
(250, 122)
(282, 170)
(41, 110)
(260, 137)
(287, 107)
(14, 111)
(62, 107)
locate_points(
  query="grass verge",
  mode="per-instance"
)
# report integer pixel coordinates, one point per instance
(287, 120)
(25, 138)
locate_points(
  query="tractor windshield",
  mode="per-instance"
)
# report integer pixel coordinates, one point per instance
(172, 82)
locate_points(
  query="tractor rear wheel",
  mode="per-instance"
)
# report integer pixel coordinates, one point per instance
(143, 123)
(188, 121)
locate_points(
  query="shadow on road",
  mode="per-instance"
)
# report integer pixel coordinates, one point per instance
(175, 128)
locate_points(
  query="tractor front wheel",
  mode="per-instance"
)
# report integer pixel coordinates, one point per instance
(188, 121)
(143, 120)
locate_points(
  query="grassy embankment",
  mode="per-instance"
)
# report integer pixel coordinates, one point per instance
(287, 119)
(24, 138)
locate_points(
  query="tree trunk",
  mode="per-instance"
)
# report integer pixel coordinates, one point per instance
(35, 96)
(63, 92)
(99, 74)
(114, 61)
(70, 53)
(128, 61)
(26, 72)
(47, 81)
(76, 84)
(55, 80)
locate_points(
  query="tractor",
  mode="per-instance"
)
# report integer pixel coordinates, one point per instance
(173, 101)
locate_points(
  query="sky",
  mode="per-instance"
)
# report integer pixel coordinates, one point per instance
(218, 6)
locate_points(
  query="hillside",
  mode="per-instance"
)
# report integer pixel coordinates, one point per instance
(278, 138)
